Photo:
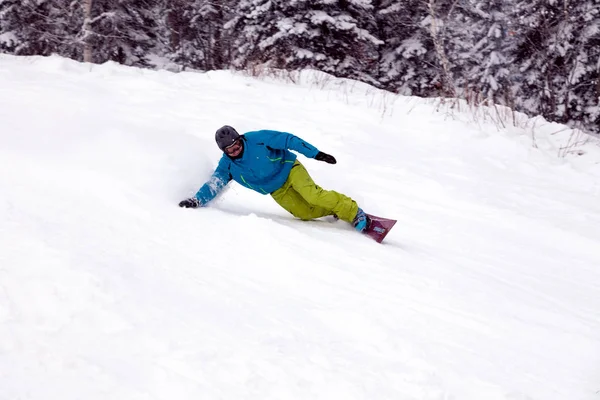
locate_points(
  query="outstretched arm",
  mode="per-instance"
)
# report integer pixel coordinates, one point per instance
(284, 140)
(219, 179)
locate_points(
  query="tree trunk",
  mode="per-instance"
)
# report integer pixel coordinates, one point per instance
(434, 30)
(87, 47)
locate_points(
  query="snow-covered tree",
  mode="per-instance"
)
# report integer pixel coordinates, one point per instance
(335, 37)
(440, 13)
(9, 35)
(558, 60)
(481, 55)
(39, 27)
(195, 32)
(423, 42)
(121, 31)
(583, 98)
(494, 48)
(407, 64)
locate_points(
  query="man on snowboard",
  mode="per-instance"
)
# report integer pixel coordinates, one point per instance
(262, 161)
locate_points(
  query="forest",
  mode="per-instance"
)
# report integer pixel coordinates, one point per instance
(539, 57)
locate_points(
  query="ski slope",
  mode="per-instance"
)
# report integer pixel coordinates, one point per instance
(488, 288)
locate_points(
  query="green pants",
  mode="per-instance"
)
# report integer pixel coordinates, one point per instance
(305, 200)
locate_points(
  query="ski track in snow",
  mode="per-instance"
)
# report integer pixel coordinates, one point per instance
(487, 288)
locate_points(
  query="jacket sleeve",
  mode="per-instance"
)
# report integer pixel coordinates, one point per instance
(219, 179)
(284, 140)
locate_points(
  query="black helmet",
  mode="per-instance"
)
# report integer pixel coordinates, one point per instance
(225, 136)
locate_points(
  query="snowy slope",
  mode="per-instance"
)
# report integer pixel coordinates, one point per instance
(488, 287)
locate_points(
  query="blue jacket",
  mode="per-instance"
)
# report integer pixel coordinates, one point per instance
(264, 166)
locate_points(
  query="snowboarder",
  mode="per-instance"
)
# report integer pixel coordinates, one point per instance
(262, 161)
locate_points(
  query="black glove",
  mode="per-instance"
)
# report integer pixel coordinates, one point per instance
(189, 203)
(325, 157)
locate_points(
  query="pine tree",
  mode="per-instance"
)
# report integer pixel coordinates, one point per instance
(121, 31)
(39, 27)
(494, 48)
(9, 38)
(558, 60)
(407, 63)
(481, 56)
(195, 33)
(335, 37)
(577, 45)
(424, 43)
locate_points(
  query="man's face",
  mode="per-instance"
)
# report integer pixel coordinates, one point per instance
(234, 149)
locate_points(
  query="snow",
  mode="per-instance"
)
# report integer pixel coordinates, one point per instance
(411, 47)
(319, 17)
(8, 38)
(487, 288)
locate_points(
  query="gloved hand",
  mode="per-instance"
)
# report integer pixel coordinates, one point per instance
(325, 157)
(190, 203)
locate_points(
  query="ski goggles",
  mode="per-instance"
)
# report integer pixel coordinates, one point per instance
(234, 148)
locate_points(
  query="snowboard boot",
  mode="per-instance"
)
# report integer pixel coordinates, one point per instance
(361, 222)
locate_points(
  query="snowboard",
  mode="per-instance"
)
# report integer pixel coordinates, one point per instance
(379, 227)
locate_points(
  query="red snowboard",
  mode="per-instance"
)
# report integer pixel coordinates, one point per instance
(379, 227)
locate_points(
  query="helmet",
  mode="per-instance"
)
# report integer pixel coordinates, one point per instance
(225, 136)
